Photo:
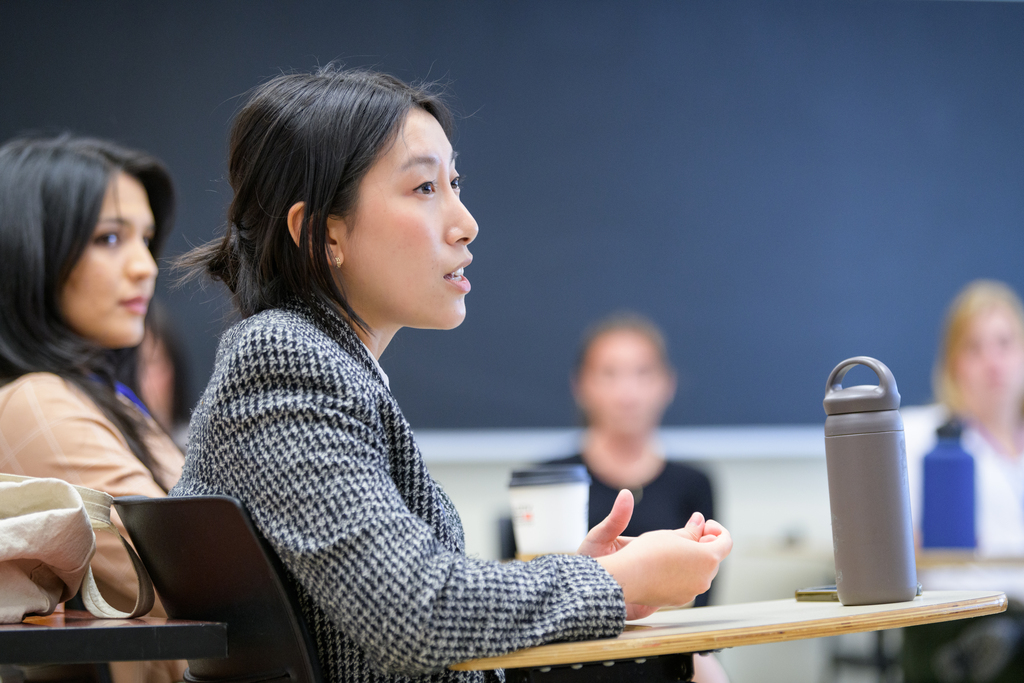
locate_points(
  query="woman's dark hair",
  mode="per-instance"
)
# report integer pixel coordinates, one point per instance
(302, 138)
(51, 193)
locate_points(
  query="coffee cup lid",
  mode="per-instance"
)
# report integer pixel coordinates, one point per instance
(550, 474)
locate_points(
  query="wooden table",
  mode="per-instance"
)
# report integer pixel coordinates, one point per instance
(703, 629)
(77, 637)
(966, 570)
(930, 558)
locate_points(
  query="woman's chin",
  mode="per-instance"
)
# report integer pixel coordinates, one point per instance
(446, 323)
(452, 324)
(452, 319)
(116, 340)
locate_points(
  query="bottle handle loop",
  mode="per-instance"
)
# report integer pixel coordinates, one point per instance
(885, 396)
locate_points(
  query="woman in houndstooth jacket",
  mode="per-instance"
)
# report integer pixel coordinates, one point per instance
(347, 225)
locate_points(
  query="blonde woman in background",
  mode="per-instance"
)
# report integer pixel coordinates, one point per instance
(979, 382)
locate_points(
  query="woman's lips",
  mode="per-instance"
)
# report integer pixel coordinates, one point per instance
(139, 305)
(459, 280)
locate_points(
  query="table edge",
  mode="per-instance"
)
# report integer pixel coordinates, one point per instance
(91, 639)
(613, 648)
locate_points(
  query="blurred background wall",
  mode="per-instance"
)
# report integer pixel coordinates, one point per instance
(780, 185)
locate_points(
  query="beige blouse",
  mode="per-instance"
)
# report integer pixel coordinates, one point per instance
(50, 428)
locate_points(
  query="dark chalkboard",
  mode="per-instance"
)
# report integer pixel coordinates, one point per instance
(780, 185)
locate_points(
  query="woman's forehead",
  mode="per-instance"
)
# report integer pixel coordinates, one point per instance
(995, 317)
(619, 343)
(420, 141)
(126, 197)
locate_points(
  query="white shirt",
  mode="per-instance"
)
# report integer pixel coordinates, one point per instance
(998, 481)
(998, 503)
(999, 496)
(383, 375)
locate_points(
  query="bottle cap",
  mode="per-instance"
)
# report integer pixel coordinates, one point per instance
(861, 398)
(951, 430)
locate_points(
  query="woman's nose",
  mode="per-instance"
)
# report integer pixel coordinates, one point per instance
(141, 264)
(464, 228)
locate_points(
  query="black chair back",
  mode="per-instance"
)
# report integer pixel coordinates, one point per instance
(209, 563)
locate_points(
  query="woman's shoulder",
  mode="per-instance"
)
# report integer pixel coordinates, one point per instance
(292, 345)
(273, 325)
(36, 379)
(43, 393)
(53, 429)
(279, 332)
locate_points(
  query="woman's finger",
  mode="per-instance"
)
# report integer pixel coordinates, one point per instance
(694, 527)
(603, 536)
(618, 519)
(712, 527)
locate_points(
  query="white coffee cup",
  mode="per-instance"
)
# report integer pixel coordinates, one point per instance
(550, 509)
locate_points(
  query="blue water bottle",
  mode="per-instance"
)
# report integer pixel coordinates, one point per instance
(947, 516)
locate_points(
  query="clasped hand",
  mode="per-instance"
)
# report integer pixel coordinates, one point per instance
(668, 567)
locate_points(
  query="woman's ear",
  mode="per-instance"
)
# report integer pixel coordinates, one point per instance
(296, 215)
(337, 231)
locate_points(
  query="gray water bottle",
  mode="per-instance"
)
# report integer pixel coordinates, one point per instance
(872, 533)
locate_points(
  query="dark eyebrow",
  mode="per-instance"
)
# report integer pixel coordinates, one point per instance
(123, 222)
(425, 160)
(114, 219)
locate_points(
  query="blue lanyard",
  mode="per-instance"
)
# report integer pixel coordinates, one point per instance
(123, 390)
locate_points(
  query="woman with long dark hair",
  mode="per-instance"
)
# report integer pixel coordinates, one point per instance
(81, 223)
(347, 225)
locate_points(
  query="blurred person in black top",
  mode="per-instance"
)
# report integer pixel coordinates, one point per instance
(623, 383)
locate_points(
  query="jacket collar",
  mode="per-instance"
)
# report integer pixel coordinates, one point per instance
(328, 318)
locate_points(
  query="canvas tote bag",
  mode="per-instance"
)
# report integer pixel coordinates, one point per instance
(47, 540)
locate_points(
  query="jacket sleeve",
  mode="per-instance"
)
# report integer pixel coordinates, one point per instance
(306, 454)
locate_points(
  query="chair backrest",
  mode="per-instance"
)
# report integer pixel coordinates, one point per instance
(209, 563)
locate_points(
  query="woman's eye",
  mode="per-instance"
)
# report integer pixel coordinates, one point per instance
(457, 183)
(426, 188)
(109, 239)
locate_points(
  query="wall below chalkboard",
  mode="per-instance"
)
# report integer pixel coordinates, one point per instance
(452, 446)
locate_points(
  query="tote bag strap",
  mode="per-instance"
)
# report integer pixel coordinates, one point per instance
(97, 506)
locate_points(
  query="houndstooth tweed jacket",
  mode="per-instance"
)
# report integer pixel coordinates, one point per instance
(297, 423)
